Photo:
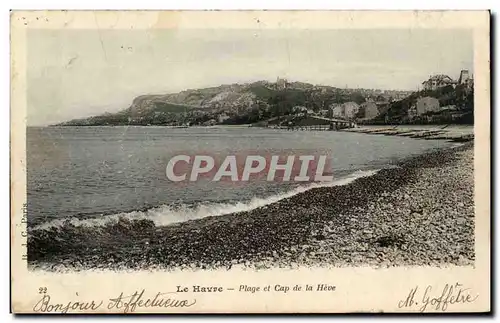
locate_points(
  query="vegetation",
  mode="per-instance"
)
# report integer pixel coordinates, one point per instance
(460, 97)
(260, 101)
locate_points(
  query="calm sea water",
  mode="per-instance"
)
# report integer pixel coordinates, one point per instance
(95, 173)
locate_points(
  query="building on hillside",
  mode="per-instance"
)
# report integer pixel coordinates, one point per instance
(337, 110)
(396, 95)
(347, 110)
(467, 80)
(370, 110)
(469, 85)
(464, 77)
(427, 104)
(438, 81)
(281, 84)
(350, 109)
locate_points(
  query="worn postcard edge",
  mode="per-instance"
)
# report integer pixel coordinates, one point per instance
(359, 289)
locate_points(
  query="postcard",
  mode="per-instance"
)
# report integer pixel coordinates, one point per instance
(250, 162)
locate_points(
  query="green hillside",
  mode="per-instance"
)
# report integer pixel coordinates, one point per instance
(258, 101)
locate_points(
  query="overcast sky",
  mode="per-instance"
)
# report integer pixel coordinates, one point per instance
(78, 73)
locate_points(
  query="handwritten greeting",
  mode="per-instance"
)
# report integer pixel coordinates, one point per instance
(140, 299)
(121, 303)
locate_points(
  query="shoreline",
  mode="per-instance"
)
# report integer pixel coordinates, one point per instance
(453, 133)
(381, 220)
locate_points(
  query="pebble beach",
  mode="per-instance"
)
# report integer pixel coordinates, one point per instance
(420, 213)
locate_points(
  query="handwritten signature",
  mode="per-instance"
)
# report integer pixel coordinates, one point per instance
(124, 303)
(438, 300)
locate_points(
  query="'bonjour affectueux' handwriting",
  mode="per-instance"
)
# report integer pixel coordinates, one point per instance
(129, 303)
(121, 303)
(431, 298)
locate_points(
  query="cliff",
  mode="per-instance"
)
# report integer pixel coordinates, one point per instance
(227, 104)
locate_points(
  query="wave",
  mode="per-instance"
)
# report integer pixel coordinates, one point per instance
(168, 215)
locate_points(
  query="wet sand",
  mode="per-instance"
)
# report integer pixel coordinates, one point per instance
(421, 213)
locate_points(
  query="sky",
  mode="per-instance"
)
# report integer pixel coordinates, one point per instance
(79, 73)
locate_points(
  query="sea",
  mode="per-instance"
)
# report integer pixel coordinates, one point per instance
(96, 175)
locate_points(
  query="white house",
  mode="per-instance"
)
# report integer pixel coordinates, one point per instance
(350, 109)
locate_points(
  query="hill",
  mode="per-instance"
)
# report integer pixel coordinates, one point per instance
(459, 97)
(227, 104)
